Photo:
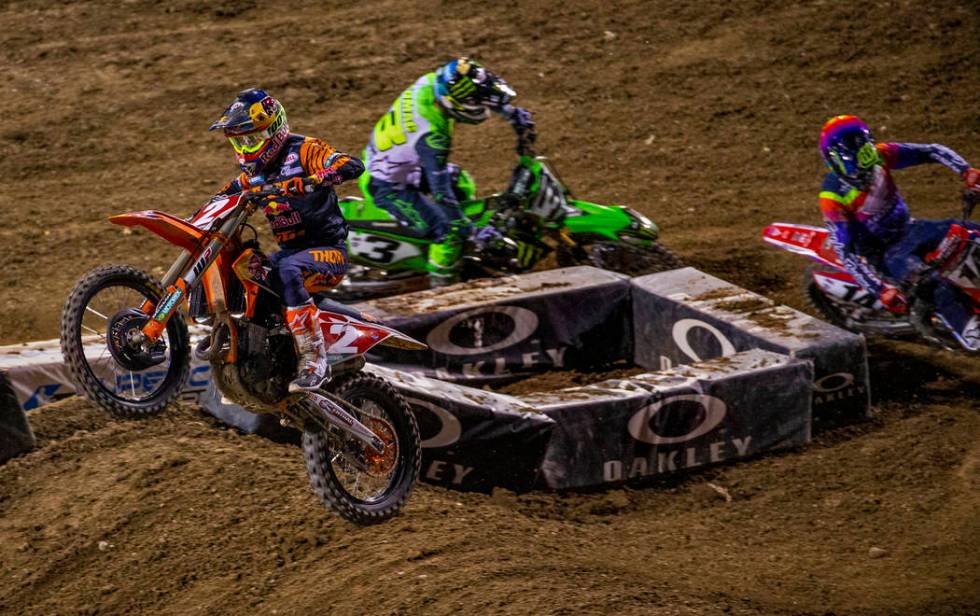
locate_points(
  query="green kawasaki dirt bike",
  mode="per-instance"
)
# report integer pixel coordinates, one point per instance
(536, 216)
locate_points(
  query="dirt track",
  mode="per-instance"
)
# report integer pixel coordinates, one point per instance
(703, 116)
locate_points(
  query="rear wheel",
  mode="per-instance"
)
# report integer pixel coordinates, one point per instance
(100, 340)
(623, 258)
(356, 482)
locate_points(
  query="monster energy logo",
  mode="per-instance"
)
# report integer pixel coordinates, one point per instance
(437, 141)
(463, 87)
(526, 253)
(868, 155)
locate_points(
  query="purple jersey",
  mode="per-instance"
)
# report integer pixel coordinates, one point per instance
(865, 222)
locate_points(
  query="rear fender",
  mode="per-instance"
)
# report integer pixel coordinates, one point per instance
(389, 250)
(476, 209)
(355, 208)
(347, 335)
(802, 240)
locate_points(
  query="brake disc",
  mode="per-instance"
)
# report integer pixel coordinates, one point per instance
(125, 341)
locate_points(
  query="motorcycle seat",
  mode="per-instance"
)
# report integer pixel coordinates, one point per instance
(331, 305)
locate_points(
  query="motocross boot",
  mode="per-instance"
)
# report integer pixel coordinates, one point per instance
(444, 261)
(313, 370)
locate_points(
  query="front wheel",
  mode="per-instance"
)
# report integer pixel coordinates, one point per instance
(624, 258)
(828, 308)
(101, 340)
(356, 482)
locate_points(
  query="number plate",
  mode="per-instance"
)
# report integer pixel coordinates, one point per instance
(550, 200)
(967, 273)
(383, 250)
(215, 210)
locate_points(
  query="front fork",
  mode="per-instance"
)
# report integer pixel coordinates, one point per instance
(184, 275)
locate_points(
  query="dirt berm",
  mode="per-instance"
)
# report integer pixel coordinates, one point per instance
(702, 115)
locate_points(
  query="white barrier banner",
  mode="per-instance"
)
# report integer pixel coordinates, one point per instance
(38, 373)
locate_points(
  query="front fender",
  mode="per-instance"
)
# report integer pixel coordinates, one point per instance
(175, 230)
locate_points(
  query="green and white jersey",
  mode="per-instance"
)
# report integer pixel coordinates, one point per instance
(413, 138)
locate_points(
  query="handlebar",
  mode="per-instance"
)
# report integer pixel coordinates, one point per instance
(266, 190)
(525, 142)
(262, 189)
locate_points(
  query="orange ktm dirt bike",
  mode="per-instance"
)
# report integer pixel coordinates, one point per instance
(126, 342)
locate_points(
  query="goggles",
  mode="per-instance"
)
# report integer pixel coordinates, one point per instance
(250, 143)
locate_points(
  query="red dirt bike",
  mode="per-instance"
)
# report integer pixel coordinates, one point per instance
(126, 342)
(845, 303)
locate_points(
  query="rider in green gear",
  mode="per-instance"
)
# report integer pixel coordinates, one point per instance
(407, 158)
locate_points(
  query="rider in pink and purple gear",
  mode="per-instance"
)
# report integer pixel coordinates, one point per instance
(871, 228)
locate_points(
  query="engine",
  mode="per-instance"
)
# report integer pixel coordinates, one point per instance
(266, 362)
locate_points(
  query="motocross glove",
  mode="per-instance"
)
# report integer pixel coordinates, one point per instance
(294, 187)
(893, 300)
(972, 178)
(485, 235)
(327, 177)
(520, 119)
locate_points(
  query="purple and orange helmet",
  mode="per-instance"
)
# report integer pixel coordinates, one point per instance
(848, 148)
(255, 125)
